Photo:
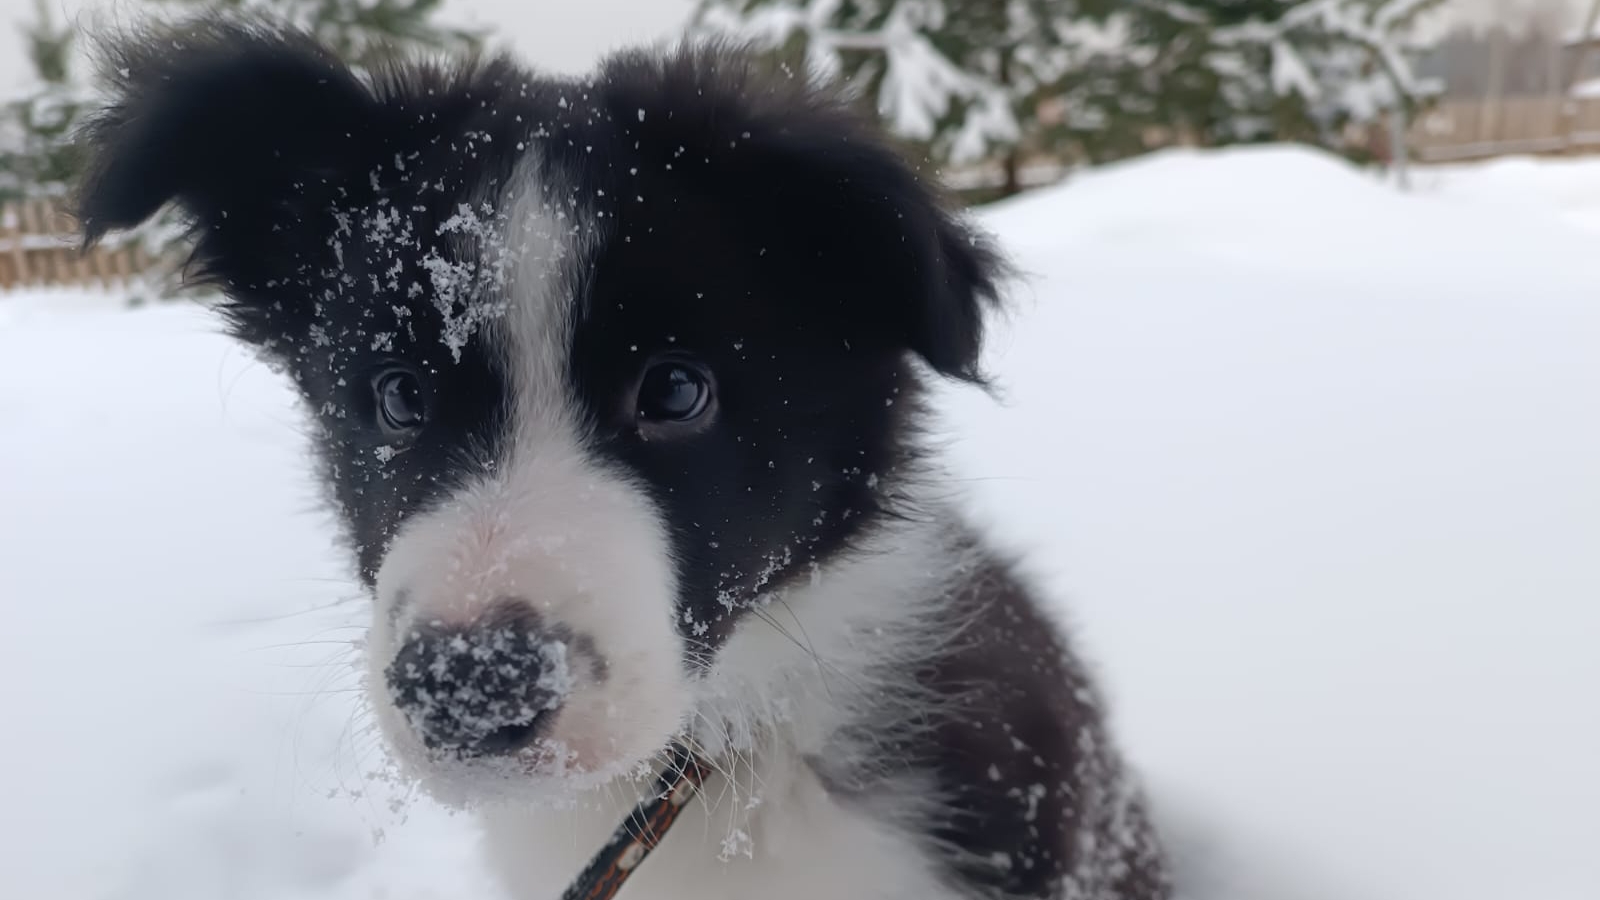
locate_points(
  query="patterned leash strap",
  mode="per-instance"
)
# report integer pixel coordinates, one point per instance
(641, 831)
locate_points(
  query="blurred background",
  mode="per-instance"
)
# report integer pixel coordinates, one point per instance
(992, 97)
(1299, 420)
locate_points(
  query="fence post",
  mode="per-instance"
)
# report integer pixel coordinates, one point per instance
(1398, 151)
(12, 213)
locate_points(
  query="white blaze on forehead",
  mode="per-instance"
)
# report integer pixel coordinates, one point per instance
(550, 524)
(550, 235)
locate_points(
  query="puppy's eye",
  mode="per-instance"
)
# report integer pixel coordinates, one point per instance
(400, 407)
(674, 391)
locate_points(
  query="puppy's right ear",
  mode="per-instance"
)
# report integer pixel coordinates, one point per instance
(242, 124)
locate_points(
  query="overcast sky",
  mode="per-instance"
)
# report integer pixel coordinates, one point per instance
(567, 35)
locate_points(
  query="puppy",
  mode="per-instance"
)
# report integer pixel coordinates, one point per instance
(616, 386)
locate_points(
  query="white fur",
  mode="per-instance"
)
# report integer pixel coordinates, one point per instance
(764, 825)
(578, 541)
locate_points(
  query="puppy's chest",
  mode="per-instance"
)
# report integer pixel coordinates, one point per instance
(781, 842)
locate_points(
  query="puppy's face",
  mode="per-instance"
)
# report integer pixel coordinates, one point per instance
(595, 365)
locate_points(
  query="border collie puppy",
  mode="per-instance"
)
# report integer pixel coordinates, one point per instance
(616, 385)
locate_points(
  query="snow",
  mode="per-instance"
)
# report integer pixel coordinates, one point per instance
(1587, 89)
(1312, 465)
(1289, 73)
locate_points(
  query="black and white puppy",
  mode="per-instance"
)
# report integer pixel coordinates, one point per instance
(616, 387)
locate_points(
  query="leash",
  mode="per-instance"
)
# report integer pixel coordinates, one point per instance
(641, 831)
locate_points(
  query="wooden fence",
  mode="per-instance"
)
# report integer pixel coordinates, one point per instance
(1467, 129)
(39, 245)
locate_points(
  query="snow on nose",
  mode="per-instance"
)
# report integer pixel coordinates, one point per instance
(484, 688)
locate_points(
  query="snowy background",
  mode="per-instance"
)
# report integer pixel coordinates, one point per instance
(558, 35)
(1312, 465)
(566, 36)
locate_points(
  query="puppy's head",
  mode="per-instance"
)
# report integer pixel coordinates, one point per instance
(594, 364)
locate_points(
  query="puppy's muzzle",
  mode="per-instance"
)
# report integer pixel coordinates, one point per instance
(486, 688)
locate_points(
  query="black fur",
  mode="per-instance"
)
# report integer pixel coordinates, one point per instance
(1026, 761)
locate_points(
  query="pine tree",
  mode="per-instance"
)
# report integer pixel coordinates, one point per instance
(360, 31)
(1098, 80)
(1358, 57)
(36, 157)
(963, 79)
(1231, 71)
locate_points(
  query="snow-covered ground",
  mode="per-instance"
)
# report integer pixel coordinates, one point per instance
(1313, 466)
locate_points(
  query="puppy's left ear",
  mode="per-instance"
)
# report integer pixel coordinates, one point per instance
(956, 272)
(922, 276)
(882, 254)
(925, 278)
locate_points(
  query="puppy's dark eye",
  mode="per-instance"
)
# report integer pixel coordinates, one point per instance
(400, 406)
(674, 390)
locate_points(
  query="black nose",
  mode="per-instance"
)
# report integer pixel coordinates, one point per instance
(482, 689)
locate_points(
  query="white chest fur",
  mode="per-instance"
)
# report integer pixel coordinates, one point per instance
(782, 687)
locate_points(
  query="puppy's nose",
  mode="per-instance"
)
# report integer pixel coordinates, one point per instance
(481, 689)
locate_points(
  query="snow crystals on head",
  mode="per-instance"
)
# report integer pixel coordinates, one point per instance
(464, 681)
(469, 291)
